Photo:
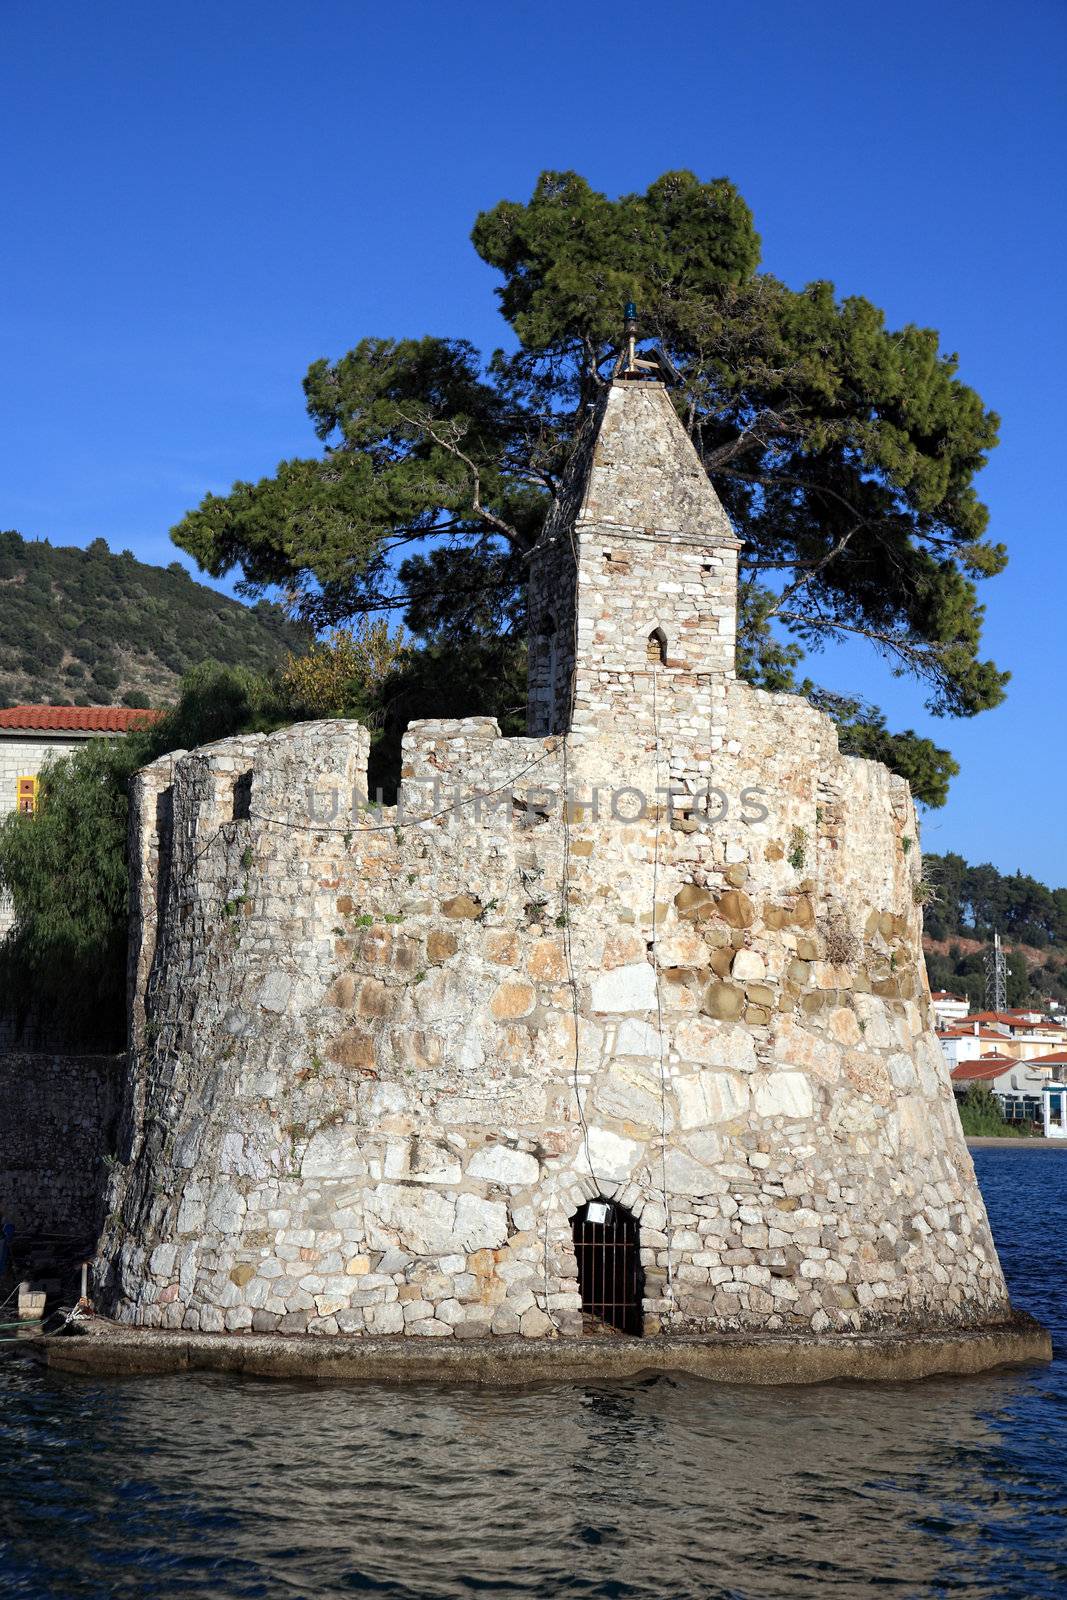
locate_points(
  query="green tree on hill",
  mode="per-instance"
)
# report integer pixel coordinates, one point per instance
(844, 451)
(98, 628)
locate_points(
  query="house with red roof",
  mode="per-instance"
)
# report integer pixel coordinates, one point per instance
(947, 1007)
(32, 735)
(1053, 1063)
(1018, 1088)
(970, 1041)
(1012, 1033)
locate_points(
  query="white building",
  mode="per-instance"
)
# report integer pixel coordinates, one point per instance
(948, 1008)
(1017, 1085)
(971, 1043)
(1054, 1109)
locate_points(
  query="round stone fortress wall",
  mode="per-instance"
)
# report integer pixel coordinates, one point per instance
(379, 1066)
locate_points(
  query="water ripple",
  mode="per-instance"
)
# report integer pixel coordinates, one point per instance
(203, 1487)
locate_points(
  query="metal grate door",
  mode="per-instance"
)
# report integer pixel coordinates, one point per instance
(609, 1266)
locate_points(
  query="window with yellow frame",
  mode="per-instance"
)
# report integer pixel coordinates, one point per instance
(27, 796)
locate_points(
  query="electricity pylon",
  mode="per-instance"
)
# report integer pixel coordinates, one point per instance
(996, 977)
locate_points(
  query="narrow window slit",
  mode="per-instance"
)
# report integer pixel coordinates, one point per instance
(242, 796)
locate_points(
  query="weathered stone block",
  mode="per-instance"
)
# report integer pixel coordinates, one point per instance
(783, 1094)
(513, 1169)
(630, 988)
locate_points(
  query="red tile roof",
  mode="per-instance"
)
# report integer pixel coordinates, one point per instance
(962, 1030)
(988, 1067)
(75, 719)
(1054, 1058)
(946, 994)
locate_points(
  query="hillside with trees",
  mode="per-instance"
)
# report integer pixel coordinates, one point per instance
(88, 627)
(969, 904)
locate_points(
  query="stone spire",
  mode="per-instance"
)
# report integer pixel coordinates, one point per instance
(633, 585)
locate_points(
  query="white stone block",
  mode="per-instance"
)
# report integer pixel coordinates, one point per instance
(496, 1163)
(609, 1155)
(708, 1097)
(480, 1224)
(631, 988)
(635, 1038)
(784, 1094)
(334, 1153)
(748, 966)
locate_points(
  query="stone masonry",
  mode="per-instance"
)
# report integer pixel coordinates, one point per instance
(56, 1136)
(381, 1058)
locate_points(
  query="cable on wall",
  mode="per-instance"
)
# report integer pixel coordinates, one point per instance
(667, 1228)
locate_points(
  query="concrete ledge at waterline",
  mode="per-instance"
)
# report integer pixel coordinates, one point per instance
(992, 1141)
(103, 1349)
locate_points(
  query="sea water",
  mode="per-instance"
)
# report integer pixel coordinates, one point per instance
(664, 1487)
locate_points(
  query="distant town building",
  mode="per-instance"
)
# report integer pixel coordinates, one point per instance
(1051, 1065)
(962, 1044)
(1054, 1109)
(1011, 1033)
(1016, 1085)
(948, 1007)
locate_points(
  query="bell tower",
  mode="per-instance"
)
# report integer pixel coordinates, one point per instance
(633, 583)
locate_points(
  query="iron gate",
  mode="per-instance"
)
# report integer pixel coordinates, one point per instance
(609, 1265)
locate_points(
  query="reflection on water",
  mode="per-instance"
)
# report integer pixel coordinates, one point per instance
(200, 1486)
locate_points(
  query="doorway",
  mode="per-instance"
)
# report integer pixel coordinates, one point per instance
(608, 1253)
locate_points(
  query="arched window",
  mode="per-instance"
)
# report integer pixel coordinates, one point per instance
(656, 648)
(608, 1253)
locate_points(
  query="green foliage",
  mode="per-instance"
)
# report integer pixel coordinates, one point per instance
(571, 257)
(973, 903)
(134, 628)
(981, 1116)
(65, 869)
(215, 702)
(845, 452)
(976, 901)
(64, 960)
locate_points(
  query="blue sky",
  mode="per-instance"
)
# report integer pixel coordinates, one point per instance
(202, 198)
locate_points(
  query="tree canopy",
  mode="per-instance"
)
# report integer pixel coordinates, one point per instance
(844, 451)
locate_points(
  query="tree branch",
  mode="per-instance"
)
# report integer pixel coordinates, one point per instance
(452, 448)
(923, 659)
(801, 582)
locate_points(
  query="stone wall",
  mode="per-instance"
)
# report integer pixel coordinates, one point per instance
(381, 1061)
(361, 1103)
(57, 1125)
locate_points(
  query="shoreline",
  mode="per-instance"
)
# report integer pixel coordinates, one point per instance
(994, 1142)
(104, 1349)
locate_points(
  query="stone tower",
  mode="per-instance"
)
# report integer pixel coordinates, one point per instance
(633, 586)
(392, 1071)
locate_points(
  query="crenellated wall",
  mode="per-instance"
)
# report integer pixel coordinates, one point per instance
(360, 1102)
